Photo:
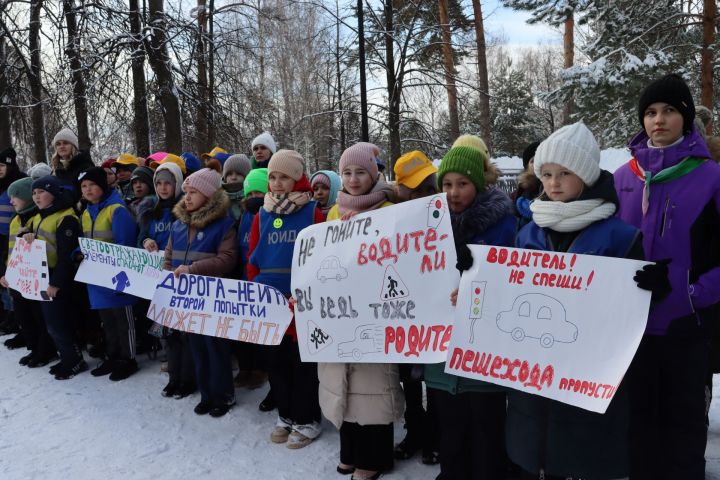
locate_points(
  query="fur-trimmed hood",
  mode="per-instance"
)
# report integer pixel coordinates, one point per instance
(215, 208)
(488, 208)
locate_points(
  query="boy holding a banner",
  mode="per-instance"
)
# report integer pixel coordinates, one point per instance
(575, 215)
(33, 333)
(107, 219)
(202, 242)
(58, 226)
(286, 210)
(471, 413)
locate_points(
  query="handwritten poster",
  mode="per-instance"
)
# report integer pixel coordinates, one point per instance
(233, 309)
(27, 270)
(548, 323)
(376, 288)
(123, 269)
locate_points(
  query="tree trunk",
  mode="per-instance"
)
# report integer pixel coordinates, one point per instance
(5, 130)
(211, 127)
(202, 85)
(35, 81)
(483, 83)
(569, 54)
(72, 50)
(449, 65)
(706, 82)
(156, 47)
(338, 74)
(394, 89)
(141, 125)
(365, 130)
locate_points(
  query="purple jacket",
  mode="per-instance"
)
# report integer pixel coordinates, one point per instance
(681, 224)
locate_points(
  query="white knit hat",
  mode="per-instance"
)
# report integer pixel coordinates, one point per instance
(575, 148)
(67, 135)
(264, 139)
(39, 170)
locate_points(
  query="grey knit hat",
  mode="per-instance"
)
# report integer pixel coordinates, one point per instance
(236, 163)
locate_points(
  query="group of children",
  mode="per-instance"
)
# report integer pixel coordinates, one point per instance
(213, 217)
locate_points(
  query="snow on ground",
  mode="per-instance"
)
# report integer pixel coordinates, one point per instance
(89, 428)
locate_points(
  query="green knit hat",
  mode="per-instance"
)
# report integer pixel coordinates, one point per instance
(466, 161)
(22, 189)
(256, 181)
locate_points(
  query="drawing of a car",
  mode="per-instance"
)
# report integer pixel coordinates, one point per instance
(331, 268)
(368, 339)
(535, 315)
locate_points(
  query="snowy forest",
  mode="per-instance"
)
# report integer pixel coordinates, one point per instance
(179, 75)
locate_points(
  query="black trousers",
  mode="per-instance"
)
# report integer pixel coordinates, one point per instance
(420, 425)
(181, 367)
(119, 329)
(472, 435)
(251, 356)
(294, 384)
(667, 404)
(62, 326)
(368, 447)
(32, 326)
(213, 368)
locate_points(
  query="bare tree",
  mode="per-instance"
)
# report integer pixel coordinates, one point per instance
(141, 125)
(5, 130)
(72, 50)
(710, 18)
(483, 84)
(449, 66)
(35, 80)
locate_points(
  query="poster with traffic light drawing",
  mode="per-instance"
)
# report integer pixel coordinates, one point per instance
(559, 325)
(376, 287)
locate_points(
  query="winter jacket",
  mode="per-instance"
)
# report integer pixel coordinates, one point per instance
(109, 221)
(60, 228)
(681, 224)
(156, 223)
(252, 206)
(363, 393)
(7, 212)
(138, 206)
(335, 186)
(488, 221)
(204, 239)
(69, 175)
(235, 194)
(561, 439)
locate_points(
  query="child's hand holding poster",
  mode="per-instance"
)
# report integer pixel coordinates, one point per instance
(563, 326)
(376, 288)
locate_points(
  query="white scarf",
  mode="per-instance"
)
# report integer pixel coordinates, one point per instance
(570, 216)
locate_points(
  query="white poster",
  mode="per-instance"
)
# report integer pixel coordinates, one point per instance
(562, 326)
(219, 307)
(124, 269)
(376, 288)
(27, 270)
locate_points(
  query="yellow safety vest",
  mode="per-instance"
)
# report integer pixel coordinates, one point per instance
(101, 228)
(15, 227)
(46, 228)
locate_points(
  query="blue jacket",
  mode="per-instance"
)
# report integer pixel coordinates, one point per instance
(205, 244)
(124, 232)
(156, 228)
(7, 212)
(243, 238)
(274, 251)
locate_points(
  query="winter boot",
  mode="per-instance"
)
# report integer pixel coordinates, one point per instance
(123, 369)
(104, 368)
(18, 341)
(65, 372)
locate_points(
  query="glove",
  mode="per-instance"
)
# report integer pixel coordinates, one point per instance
(78, 257)
(654, 278)
(464, 257)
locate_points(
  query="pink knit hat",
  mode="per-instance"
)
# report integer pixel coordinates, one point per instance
(206, 181)
(320, 178)
(363, 155)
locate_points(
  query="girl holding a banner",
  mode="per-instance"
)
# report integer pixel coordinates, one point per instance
(471, 413)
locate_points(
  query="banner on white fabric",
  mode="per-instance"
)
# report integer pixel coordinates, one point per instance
(558, 325)
(27, 269)
(219, 307)
(376, 288)
(124, 269)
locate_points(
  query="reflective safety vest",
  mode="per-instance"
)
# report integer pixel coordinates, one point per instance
(7, 212)
(46, 228)
(101, 228)
(15, 227)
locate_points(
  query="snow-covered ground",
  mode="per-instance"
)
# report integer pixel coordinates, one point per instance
(90, 428)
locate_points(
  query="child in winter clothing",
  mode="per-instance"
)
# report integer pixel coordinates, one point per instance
(293, 383)
(107, 219)
(263, 147)
(125, 165)
(491, 172)
(33, 332)
(362, 399)
(202, 242)
(471, 413)
(252, 358)
(234, 171)
(325, 184)
(671, 192)
(549, 439)
(57, 225)
(529, 186)
(143, 191)
(415, 176)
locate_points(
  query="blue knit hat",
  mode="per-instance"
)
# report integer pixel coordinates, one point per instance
(192, 164)
(50, 184)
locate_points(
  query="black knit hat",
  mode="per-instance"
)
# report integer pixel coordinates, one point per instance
(8, 157)
(50, 184)
(145, 175)
(673, 90)
(529, 153)
(96, 175)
